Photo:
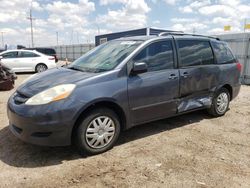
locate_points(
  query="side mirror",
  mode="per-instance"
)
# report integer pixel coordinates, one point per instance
(139, 67)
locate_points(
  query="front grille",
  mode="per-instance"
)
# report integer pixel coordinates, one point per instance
(20, 98)
(17, 129)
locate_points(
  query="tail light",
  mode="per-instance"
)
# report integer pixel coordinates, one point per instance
(51, 58)
(56, 58)
(239, 66)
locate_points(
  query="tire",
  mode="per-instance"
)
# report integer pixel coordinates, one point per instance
(41, 68)
(220, 103)
(91, 137)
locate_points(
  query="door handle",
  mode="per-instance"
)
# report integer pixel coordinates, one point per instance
(172, 77)
(185, 74)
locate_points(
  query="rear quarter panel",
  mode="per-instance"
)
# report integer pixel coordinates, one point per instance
(229, 74)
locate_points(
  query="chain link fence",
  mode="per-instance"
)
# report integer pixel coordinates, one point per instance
(240, 45)
(72, 52)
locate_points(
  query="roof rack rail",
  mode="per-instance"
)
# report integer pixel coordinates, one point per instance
(189, 34)
(170, 33)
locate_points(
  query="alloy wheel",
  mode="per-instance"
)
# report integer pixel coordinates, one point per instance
(41, 68)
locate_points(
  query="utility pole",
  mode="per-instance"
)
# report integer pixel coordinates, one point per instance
(2, 39)
(245, 22)
(77, 36)
(72, 37)
(57, 38)
(31, 25)
(194, 30)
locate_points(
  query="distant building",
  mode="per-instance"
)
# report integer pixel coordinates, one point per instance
(100, 39)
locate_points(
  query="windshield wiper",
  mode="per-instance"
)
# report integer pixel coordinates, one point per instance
(85, 69)
(75, 68)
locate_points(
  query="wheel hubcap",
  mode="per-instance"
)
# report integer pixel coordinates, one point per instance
(100, 132)
(222, 102)
(41, 68)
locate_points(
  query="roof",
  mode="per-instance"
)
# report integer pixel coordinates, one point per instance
(22, 50)
(19, 50)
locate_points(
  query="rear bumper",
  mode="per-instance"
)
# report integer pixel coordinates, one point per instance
(51, 65)
(236, 90)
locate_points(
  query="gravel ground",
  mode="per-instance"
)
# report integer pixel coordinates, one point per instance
(191, 150)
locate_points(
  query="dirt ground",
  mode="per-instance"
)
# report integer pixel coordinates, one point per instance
(191, 150)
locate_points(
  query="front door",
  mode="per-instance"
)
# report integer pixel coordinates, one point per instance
(10, 59)
(152, 95)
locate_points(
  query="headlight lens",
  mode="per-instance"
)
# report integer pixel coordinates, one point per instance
(53, 94)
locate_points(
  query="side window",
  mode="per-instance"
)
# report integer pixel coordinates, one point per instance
(28, 54)
(195, 52)
(157, 56)
(9, 55)
(222, 52)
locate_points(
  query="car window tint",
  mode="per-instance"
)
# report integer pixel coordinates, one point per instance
(194, 52)
(41, 51)
(222, 52)
(28, 54)
(9, 55)
(157, 56)
(50, 51)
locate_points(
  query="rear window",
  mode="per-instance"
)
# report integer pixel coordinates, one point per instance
(195, 52)
(50, 51)
(222, 52)
(47, 51)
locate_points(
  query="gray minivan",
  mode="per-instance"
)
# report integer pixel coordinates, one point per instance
(123, 83)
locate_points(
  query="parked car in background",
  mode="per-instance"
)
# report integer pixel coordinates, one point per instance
(7, 77)
(27, 60)
(46, 51)
(121, 84)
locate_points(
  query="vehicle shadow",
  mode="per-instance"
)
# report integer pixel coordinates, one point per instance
(18, 154)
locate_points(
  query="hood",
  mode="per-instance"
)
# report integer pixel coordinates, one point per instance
(51, 78)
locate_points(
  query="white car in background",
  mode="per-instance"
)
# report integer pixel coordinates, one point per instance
(27, 60)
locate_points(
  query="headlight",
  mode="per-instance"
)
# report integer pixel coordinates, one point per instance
(53, 94)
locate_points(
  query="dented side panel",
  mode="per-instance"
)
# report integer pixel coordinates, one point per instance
(198, 79)
(191, 103)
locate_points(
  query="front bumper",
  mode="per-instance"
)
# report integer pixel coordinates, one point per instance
(47, 125)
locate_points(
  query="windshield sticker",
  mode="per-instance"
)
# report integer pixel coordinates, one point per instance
(128, 42)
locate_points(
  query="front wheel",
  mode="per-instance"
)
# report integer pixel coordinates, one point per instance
(97, 132)
(220, 103)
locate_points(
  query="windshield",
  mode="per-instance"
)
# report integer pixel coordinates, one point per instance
(105, 57)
